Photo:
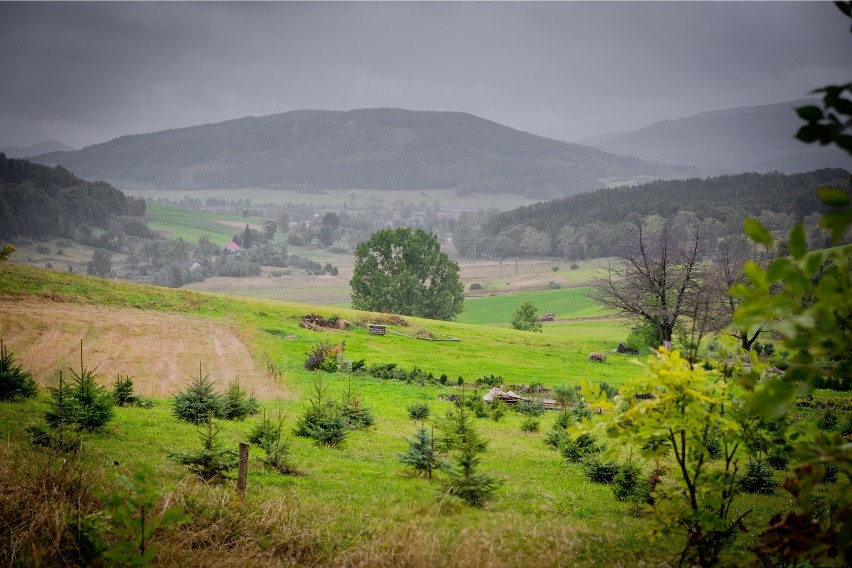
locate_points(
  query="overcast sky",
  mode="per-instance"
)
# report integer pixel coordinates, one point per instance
(84, 73)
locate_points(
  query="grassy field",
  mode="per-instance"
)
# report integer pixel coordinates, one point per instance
(355, 505)
(566, 303)
(188, 224)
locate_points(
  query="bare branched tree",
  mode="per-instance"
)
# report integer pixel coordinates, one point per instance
(660, 274)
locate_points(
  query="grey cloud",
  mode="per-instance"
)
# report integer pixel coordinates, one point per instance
(87, 72)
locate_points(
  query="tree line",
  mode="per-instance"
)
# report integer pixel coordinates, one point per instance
(41, 202)
(592, 225)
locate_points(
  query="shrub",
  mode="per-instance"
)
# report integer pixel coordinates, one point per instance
(84, 405)
(554, 286)
(122, 390)
(828, 421)
(498, 410)
(598, 471)
(15, 383)
(263, 432)
(267, 434)
(608, 389)
(238, 403)
(212, 460)
(577, 450)
(418, 411)
(322, 420)
(757, 478)
(556, 437)
(199, 402)
(464, 481)
(627, 483)
(574, 266)
(532, 407)
(354, 413)
(420, 455)
(530, 424)
(475, 286)
(323, 357)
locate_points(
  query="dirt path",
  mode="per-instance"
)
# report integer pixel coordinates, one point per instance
(160, 351)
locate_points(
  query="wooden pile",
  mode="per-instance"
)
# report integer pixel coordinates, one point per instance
(512, 398)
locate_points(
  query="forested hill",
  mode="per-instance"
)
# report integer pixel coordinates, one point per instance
(590, 225)
(730, 141)
(38, 201)
(371, 148)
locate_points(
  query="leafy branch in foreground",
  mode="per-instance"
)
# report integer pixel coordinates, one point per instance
(690, 406)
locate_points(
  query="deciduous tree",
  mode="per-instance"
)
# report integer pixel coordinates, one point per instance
(404, 272)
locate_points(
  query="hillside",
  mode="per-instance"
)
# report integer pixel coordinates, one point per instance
(35, 149)
(370, 148)
(38, 201)
(730, 141)
(593, 219)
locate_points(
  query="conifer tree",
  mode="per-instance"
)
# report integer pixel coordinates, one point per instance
(420, 455)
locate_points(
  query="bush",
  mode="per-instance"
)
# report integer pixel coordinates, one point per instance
(828, 421)
(84, 404)
(644, 336)
(574, 266)
(267, 435)
(533, 407)
(420, 456)
(554, 286)
(757, 478)
(418, 411)
(556, 438)
(577, 450)
(15, 383)
(498, 410)
(530, 425)
(238, 403)
(212, 460)
(322, 421)
(122, 391)
(627, 483)
(475, 286)
(199, 402)
(600, 472)
(324, 357)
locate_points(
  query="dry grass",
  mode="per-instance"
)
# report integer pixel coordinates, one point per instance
(160, 351)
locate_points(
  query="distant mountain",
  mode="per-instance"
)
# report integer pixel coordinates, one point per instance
(372, 148)
(748, 139)
(35, 149)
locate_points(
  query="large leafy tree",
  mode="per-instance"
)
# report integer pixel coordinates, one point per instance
(404, 272)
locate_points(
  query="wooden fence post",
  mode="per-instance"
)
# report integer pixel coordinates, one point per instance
(242, 475)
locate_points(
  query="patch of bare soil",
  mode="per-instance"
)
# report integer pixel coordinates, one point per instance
(160, 351)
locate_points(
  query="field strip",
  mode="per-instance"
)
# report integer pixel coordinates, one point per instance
(160, 351)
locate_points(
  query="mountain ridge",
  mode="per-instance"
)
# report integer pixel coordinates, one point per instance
(385, 148)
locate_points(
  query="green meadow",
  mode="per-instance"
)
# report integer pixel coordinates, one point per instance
(356, 505)
(190, 225)
(566, 303)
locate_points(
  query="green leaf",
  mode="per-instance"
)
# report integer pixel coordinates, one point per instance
(771, 402)
(756, 231)
(798, 246)
(810, 113)
(833, 196)
(837, 222)
(810, 133)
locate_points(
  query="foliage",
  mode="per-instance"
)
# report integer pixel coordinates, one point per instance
(418, 411)
(101, 263)
(405, 272)
(420, 456)
(464, 481)
(827, 421)
(212, 460)
(354, 413)
(525, 318)
(644, 336)
(267, 434)
(600, 471)
(627, 483)
(199, 402)
(532, 407)
(576, 449)
(131, 510)
(15, 382)
(6, 252)
(322, 420)
(238, 403)
(324, 357)
(82, 405)
(530, 424)
(122, 390)
(757, 478)
(689, 403)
